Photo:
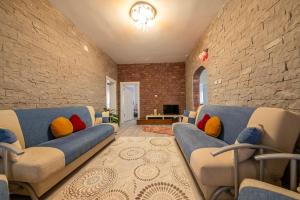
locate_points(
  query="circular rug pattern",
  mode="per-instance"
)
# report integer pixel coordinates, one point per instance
(132, 153)
(156, 156)
(90, 183)
(179, 176)
(136, 139)
(117, 142)
(160, 141)
(114, 195)
(161, 190)
(146, 172)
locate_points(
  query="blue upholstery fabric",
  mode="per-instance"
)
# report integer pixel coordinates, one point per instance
(35, 123)
(251, 193)
(250, 136)
(234, 119)
(80, 142)
(4, 191)
(190, 138)
(7, 136)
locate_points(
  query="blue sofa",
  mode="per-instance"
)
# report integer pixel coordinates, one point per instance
(234, 120)
(281, 130)
(46, 160)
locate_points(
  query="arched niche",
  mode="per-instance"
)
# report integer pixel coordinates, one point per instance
(200, 89)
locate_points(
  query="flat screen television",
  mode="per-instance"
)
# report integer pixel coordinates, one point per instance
(171, 109)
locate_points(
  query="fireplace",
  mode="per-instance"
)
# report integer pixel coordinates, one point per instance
(171, 109)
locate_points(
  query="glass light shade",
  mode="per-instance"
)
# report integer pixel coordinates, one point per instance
(143, 14)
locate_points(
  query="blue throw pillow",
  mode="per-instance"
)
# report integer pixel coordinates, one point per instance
(186, 113)
(98, 114)
(250, 136)
(7, 136)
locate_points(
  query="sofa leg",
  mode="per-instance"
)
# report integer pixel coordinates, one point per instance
(219, 191)
(28, 188)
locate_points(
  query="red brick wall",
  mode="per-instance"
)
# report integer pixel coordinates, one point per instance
(167, 80)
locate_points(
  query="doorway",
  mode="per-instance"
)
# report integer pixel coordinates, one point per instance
(111, 94)
(130, 101)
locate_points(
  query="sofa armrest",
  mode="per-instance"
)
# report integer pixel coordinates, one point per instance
(8, 148)
(11, 148)
(253, 189)
(243, 146)
(293, 165)
(235, 148)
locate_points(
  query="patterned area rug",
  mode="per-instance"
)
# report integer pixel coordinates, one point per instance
(138, 168)
(159, 130)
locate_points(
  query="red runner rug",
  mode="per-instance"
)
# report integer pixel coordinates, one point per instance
(159, 130)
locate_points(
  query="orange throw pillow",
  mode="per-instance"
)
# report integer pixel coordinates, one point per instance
(213, 126)
(61, 127)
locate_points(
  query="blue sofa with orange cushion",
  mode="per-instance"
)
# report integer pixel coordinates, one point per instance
(281, 129)
(46, 160)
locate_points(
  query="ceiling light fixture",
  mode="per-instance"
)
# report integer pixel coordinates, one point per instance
(143, 14)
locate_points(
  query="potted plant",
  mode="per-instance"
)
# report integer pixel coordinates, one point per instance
(113, 117)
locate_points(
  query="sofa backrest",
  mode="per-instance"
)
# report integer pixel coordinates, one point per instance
(9, 120)
(35, 123)
(281, 130)
(234, 119)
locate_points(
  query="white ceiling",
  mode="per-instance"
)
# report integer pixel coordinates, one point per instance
(178, 26)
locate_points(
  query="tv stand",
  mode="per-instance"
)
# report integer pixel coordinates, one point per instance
(179, 117)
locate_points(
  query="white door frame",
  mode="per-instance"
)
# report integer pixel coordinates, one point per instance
(115, 92)
(122, 84)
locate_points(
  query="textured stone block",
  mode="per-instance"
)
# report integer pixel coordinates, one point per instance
(43, 62)
(259, 52)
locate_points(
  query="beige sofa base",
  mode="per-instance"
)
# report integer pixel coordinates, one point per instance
(42, 187)
(205, 191)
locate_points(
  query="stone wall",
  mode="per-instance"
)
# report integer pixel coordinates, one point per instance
(45, 61)
(254, 55)
(166, 80)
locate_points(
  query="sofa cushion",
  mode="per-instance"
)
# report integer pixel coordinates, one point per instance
(73, 146)
(234, 119)
(218, 170)
(37, 163)
(190, 138)
(35, 123)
